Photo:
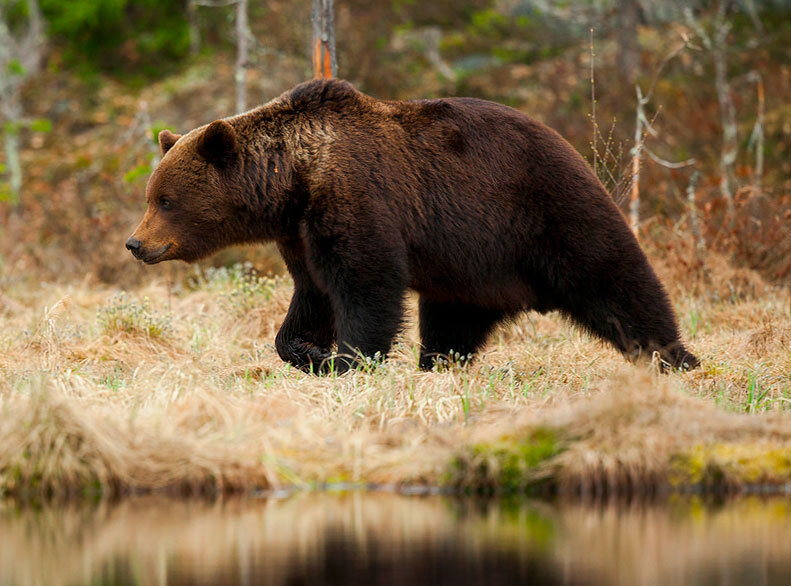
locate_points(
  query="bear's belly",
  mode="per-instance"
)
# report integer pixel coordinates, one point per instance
(507, 293)
(463, 263)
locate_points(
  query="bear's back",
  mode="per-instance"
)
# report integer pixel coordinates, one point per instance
(464, 148)
(491, 127)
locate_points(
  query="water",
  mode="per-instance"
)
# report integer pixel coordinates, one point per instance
(358, 538)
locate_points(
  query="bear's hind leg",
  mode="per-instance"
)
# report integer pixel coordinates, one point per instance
(453, 327)
(630, 309)
(368, 317)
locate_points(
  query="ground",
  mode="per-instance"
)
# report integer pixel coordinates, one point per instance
(177, 385)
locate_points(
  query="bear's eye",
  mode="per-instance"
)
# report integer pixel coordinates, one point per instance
(166, 203)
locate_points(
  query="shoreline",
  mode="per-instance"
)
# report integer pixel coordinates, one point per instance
(179, 388)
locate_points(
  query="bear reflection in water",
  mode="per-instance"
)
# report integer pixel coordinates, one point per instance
(381, 538)
(344, 560)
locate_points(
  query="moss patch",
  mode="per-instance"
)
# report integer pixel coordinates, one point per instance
(730, 466)
(511, 465)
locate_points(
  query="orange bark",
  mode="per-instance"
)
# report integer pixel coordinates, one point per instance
(322, 66)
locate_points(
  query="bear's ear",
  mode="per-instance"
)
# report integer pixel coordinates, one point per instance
(167, 139)
(217, 145)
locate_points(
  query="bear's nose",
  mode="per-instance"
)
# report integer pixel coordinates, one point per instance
(134, 245)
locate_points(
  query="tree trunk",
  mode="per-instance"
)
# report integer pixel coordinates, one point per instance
(697, 234)
(242, 37)
(757, 136)
(35, 36)
(194, 31)
(634, 198)
(323, 49)
(730, 144)
(627, 18)
(11, 147)
(26, 50)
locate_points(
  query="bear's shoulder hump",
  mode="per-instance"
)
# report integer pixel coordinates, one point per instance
(318, 93)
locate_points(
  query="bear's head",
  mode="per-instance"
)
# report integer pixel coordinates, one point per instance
(208, 193)
(191, 196)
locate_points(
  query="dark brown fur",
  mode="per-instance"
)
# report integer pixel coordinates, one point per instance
(477, 207)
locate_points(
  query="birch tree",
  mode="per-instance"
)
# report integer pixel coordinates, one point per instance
(20, 57)
(242, 55)
(717, 44)
(243, 36)
(628, 14)
(643, 128)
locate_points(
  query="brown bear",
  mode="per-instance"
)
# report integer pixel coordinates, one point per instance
(481, 210)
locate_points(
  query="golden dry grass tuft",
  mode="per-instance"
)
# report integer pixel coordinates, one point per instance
(639, 436)
(179, 387)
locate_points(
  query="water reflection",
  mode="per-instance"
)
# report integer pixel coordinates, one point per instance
(360, 538)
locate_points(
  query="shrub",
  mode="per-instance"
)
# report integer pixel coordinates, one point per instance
(240, 285)
(122, 314)
(117, 34)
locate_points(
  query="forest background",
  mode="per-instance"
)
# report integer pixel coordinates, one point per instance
(681, 107)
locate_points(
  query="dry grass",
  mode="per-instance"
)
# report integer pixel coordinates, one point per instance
(179, 386)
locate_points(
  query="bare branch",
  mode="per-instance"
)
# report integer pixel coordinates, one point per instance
(634, 200)
(643, 127)
(593, 109)
(696, 26)
(666, 163)
(753, 12)
(667, 58)
(432, 36)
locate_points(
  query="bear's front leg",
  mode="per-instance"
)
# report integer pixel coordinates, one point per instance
(364, 272)
(307, 335)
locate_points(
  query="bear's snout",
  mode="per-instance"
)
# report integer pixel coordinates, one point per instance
(135, 246)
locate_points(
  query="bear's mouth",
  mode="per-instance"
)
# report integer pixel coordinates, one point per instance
(156, 256)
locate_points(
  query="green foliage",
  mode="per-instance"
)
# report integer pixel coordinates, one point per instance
(5, 191)
(12, 127)
(158, 127)
(488, 21)
(14, 67)
(121, 36)
(137, 172)
(41, 125)
(122, 314)
(15, 13)
(37, 125)
(756, 395)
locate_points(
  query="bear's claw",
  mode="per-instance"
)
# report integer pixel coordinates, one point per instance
(309, 357)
